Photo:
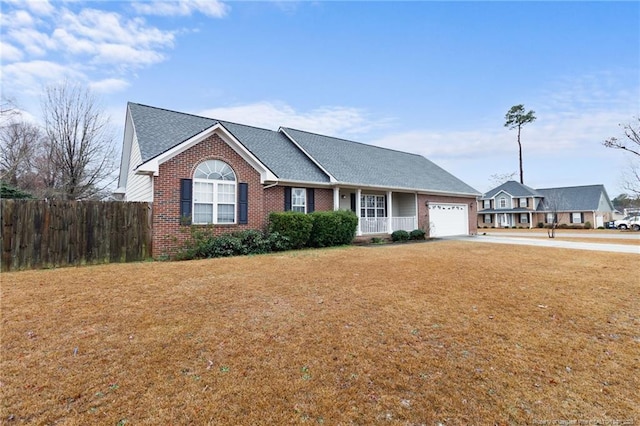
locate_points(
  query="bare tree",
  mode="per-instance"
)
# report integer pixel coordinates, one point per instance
(515, 118)
(553, 206)
(498, 179)
(629, 143)
(630, 179)
(19, 141)
(8, 110)
(78, 140)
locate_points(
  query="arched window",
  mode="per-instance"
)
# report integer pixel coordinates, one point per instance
(214, 193)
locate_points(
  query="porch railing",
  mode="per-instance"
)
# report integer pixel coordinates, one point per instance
(379, 225)
(370, 225)
(404, 223)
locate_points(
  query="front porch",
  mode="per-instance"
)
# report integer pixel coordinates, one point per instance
(379, 212)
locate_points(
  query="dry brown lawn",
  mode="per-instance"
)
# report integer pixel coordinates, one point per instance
(450, 333)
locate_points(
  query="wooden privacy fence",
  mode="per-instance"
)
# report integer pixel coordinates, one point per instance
(45, 234)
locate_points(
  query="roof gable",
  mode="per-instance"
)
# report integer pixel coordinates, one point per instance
(278, 153)
(367, 165)
(160, 132)
(514, 189)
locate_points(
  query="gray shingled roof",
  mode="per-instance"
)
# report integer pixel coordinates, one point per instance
(575, 198)
(356, 163)
(159, 130)
(513, 188)
(275, 151)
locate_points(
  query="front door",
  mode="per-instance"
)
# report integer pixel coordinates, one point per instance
(504, 220)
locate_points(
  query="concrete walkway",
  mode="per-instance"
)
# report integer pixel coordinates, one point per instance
(621, 235)
(511, 238)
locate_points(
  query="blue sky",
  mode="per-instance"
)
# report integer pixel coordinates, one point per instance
(433, 78)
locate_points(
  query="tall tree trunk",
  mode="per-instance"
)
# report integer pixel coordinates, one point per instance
(520, 152)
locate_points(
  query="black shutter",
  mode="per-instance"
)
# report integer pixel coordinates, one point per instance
(185, 201)
(353, 203)
(311, 202)
(287, 198)
(243, 203)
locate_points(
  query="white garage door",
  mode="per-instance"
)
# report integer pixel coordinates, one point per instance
(448, 219)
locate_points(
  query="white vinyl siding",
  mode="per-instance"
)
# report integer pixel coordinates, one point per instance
(139, 187)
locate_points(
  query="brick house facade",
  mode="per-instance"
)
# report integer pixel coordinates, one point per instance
(163, 151)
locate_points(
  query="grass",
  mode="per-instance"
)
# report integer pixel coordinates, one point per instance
(444, 332)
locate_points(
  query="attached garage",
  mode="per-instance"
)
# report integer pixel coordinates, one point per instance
(448, 219)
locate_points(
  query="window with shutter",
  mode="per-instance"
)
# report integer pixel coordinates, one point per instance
(214, 193)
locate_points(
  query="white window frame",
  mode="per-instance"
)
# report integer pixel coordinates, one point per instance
(487, 218)
(524, 218)
(573, 217)
(523, 202)
(486, 204)
(299, 200)
(221, 178)
(377, 204)
(550, 218)
(503, 203)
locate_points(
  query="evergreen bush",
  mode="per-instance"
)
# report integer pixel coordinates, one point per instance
(400, 236)
(293, 225)
(332, 228)
(417, 234)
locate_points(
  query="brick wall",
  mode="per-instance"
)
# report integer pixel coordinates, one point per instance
(323, 199)
(168, 233)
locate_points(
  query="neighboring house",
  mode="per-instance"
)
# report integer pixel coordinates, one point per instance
(198, 170)
(513, 204)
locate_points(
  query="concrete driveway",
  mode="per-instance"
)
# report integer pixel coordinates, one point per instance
(542, 240)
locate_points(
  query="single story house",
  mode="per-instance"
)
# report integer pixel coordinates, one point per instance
(197, 170)
(513, 204)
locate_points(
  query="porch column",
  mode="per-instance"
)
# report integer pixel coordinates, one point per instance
(530, 220)
(416, 221)
(358, 207)
(336, 198)
(389, 212)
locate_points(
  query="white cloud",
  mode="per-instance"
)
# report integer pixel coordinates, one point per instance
(9, 52)
(101, 26)
(30, 77)
(16, 19)
(34, 42)
(39, 7)
(211, 8)
(336, 121)
(109, 85)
